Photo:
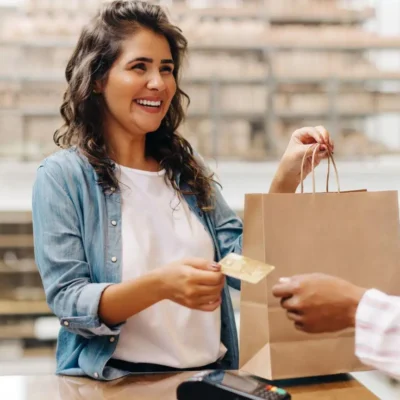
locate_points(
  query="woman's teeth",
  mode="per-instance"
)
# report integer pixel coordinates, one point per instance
(148, 103)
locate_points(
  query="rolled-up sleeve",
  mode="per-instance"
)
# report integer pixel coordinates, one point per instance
(60, 257)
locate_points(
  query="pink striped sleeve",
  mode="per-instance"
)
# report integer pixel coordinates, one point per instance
(378, 332)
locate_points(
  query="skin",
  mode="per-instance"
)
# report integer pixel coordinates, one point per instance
(319, 303)
(144, 71)
(287, 177)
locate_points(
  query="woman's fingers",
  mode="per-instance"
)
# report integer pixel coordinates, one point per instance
(318, 134)
(210, 306)
(325, 135)
(308, 135)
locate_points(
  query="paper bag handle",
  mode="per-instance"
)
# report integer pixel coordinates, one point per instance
(330, 158)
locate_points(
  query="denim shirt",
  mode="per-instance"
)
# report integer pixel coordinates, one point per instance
(77, 241)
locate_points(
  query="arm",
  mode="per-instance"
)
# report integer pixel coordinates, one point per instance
(94, 309)
(378, 332)
(115, 309)
(192, 282)
(318, 303)
(60, 257)
(83, 307)
(288, 174)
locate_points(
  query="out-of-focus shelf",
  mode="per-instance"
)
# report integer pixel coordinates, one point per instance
(324, 46)
(18, 270)
(322, 114)
(10, 307)
(335, 17)
(361, 78)
(377, 76)
(31, 112)
(23, 330)
(15, 217)
(16, 241)
(235, 114)
(39, 352)
(224, 80)
(284, 115)
(318, 16)
(299, 79)
(267, 45)
(228, 114)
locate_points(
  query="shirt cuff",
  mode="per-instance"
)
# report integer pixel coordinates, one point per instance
(87, 313)
(364, 311)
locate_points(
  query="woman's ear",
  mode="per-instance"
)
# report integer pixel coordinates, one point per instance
(98, 87)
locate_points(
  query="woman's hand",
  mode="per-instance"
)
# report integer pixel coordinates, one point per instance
(288, 175)
(193, 283)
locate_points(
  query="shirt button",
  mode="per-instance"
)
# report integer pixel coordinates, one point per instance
(96, 375)
(66, 323)
(112, 339)
(114, 223)
(114, 259)
(112, 189)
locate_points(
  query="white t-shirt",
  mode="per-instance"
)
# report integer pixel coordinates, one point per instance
(157, 229)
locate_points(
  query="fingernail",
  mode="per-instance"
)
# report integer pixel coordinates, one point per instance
(215, 265)
(284, 280)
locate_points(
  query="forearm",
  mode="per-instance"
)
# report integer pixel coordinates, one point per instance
(281, 184)
(123, 300)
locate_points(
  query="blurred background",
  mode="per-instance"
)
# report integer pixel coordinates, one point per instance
(256, 71)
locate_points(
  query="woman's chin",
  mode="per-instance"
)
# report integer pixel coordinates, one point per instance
(145, 127)
(152, 128)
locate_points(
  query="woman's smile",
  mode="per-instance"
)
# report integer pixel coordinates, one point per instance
(149, 104)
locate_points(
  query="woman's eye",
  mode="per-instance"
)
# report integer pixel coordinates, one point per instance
(140, 66)
(167, 70)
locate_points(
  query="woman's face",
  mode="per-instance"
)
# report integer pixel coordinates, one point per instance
(140, 85)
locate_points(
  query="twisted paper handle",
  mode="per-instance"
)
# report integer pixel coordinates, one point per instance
(315, 149)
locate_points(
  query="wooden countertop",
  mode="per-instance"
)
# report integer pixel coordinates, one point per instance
(154, 387)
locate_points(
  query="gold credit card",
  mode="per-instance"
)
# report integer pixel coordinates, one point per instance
(244, 268)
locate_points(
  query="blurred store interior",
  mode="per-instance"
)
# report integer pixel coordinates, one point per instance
(256, 71)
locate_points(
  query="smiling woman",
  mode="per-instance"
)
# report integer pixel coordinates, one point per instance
(127, 56)
(138, 92)
(129, 225)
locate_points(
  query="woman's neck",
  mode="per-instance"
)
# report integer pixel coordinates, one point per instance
(131, 152)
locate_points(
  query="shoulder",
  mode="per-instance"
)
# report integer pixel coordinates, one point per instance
(65, 162)
(66, 166)
(66, 159)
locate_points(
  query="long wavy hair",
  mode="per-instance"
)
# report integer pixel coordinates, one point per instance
(97, 49)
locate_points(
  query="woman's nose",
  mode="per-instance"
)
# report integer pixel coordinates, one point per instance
(156, 83)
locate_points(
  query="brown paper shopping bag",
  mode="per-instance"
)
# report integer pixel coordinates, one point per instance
(352, 235)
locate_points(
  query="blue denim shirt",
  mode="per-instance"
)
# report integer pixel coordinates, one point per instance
(77, 239)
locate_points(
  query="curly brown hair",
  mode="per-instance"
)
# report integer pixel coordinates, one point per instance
(97, 49)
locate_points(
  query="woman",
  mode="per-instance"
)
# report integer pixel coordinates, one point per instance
(128, 223)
